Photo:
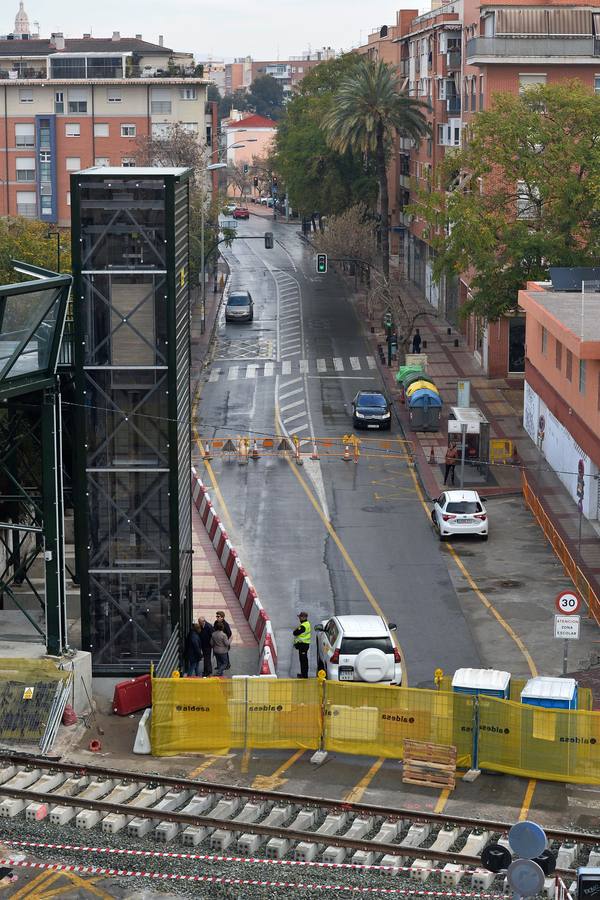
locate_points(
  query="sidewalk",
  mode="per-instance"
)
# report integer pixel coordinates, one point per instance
(501, 401)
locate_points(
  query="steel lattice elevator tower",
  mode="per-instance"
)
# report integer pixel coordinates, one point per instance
(132, 492)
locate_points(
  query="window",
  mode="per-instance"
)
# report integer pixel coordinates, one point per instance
(558, 355)
(160, 102)
(26, 204)
(59, 102)
(68, 198)
(569, 366)
(597, 84)
(78, 100)
(187, 93)
(582, 376)
(544, 340)
(72, 129)
(480, 93)
(160, 129)
(44, 133)
(25, 169)
(101, 129)
(128, 162)
(529, 80)
(73, 163)
(192, 127)
(128, 130)
(45, 205)
(113, 95)
(102, 161)
(25, 135)
(474, 94)
(25, 95)
(45, 165)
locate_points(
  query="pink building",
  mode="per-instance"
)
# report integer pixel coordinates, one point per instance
(255, 133)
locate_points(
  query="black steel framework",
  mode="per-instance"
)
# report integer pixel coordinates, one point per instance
(132, 488)
(32, 318)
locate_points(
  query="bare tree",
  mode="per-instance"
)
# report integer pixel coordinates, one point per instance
(349, 236)
(176, 147)
(240, 179)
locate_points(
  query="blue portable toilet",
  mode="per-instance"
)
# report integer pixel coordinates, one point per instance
(491, 682)
(550, 692)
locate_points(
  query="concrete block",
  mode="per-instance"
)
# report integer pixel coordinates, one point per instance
(421, 869)
(446, 838)
(451, 874)
(334, 855)
(566, 855)
(139, 826)
(482, 880)
(392, 862)
(277, 848)
(416, 835)
(95, 790)
(475, 843)
(363, 858)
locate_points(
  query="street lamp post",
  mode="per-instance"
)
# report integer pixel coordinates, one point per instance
(210, 168)
(55, 234)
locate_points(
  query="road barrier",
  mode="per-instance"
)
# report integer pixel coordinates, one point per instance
(216, 715)
(256, 446)
(580, 581)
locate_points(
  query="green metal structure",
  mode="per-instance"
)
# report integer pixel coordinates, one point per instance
(132, 486)
(32, 320)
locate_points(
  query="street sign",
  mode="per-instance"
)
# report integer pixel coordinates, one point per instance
(568, 603)
(567, 627)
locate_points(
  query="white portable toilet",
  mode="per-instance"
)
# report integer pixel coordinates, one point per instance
(491, 682)
(550, 692)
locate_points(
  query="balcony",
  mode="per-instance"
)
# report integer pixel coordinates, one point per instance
(453, 104)
(453, 60)
(558, 49)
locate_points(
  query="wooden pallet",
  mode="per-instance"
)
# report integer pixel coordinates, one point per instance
(430, 765)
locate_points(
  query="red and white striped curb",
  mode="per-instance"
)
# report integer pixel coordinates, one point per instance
(258, 882)
(255, 613)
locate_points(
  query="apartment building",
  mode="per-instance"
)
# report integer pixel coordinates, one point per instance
(562, 383)
(69, 104)
(456, 57)
(289, 72)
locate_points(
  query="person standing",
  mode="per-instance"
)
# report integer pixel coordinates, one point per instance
(450, 461)
(220, 617)
(220, 644)
(205, 631)
(416, 342)
(193, 652)
(302, 643)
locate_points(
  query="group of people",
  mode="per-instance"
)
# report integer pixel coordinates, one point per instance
(203, 641)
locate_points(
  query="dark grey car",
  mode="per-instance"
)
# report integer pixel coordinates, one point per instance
(239, 307)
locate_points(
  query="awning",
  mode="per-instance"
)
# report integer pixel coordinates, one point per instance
(522, 21)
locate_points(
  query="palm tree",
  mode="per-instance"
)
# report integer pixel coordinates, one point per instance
(370, 108)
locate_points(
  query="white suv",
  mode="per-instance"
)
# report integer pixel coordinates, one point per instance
(358, 648)
(460, 512)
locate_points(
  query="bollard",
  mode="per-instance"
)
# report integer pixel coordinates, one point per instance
(346, 456)
(205, 453)
(431, 457)
(315, 451)
(254, 453)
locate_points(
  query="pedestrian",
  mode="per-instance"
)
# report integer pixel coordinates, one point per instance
(205, 631)
(450, 460)
(220, 644)
(416, 342)
(302, 643)
(220, 617)
(193, 652)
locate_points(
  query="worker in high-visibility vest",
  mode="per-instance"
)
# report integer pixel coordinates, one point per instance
(302, 635)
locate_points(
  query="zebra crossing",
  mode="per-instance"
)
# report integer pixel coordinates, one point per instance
(316, 367)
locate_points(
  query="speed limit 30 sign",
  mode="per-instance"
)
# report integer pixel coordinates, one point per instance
(568, 603)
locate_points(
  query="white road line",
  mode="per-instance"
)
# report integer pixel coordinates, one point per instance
(233, 373)
(290, 393)
(214, 376)
(269, 369)
(344, 377)
(251, 371)
(303, 366)
(291, 405)
(355, 362)
(291, 352)
(371, 362)
(300, 428)
(290, 382)
(299, 415)
(286, 367)
(321, 365)
(338, 364)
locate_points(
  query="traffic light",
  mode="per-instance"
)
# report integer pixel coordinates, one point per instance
(246, 168)
(275, 180)
(321, 263)
(268, 240)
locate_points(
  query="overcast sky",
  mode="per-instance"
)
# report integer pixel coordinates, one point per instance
(264, 29)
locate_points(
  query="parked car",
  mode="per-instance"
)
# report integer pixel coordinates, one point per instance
(240, 212)
(239, 307)
(266, 201)
(358, 648)
(460, 512)
(371, 409)
(229, 209)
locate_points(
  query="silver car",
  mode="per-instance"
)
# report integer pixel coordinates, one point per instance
(239, 307)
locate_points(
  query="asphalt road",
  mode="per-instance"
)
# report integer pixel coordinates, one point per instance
(330, 537)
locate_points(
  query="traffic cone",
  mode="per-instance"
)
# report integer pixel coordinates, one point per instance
(346, 456)
(431, 457)
(205, 453)
(254, 452)
(315, 451)
(264, 667)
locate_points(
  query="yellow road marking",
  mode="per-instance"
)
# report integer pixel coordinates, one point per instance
(204, 765)
(209, 468)
(271, 782)
(478, 592)
(334, 536)
(355, 795)
(531, 785)
(31, 889)
(442, 800)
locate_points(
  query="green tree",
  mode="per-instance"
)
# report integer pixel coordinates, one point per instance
(237, 100)
(28, 241)
(521, 195)
(370, 109)
(265, 96)
(317, 177)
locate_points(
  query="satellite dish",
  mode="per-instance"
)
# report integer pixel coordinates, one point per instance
(527, 840)
(383, 31)
(525, 877)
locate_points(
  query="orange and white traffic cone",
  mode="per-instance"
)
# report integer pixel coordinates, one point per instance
(315, 451)
(346, 456)
(205, 451)
(254, 454)
(431, 457)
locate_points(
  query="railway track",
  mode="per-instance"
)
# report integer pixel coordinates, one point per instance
(221, 823)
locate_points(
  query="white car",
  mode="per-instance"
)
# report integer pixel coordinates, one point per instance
(459, 512)
(358, 648)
